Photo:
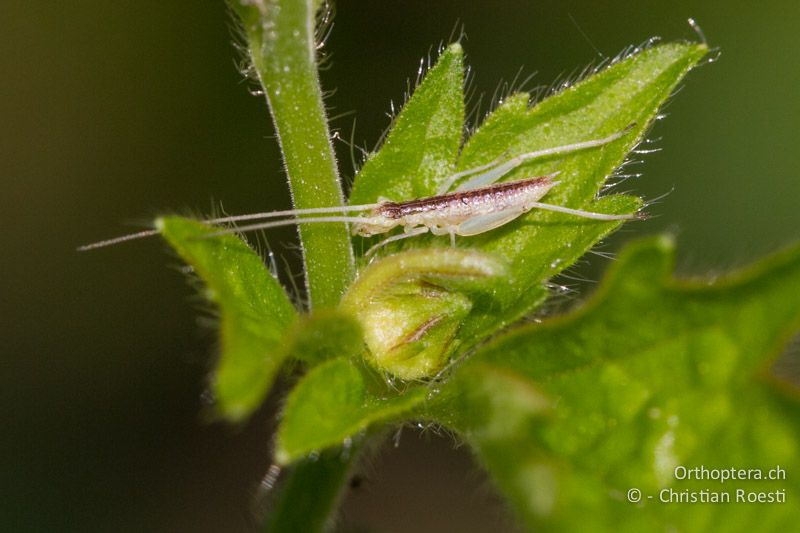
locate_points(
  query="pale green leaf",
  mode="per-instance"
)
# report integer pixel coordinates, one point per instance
(254, 312)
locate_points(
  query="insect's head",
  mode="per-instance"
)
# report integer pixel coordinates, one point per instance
(373, 225)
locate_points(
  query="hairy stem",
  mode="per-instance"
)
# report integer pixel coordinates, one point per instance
(309, 494)
(282, 47)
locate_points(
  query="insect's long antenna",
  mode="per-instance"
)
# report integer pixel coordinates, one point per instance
(238, 218)
(279, 223)
(293, 213)
(117, 240)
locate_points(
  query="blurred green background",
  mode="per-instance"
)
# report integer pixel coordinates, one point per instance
(111, 112)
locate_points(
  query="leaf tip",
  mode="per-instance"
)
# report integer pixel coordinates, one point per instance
(664, 242)
(650, 258)
(455, 48)
(282, 456)
(232, 405)
(232, 412)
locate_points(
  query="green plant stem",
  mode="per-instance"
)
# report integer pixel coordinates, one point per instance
(311, 492)
(281, 36)
(282, 47)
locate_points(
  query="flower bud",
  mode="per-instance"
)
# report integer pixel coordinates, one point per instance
(412, 304)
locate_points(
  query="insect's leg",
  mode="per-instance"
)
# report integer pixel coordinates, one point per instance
(446, 230)
(491, 176)
(482, 223)
(495, 171)
(586, 214)
(410, 233)
(448, 183)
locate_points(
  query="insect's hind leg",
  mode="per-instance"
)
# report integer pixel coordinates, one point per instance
(483, 223)
(492, 172)
(587, 214)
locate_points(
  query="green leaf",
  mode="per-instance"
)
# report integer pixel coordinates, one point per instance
(422, 146)
(542, 244)
(332, 403)
(651, 374)
(324, 335)
(420, 149)
(254, 312)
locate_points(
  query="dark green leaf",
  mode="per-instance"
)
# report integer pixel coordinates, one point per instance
(651, 374)
(254, 312)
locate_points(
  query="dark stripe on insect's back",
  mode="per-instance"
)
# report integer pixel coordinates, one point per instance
(474, 196)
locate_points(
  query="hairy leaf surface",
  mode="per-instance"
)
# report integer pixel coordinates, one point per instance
(254, 312)
(651, 374)
(333, 402)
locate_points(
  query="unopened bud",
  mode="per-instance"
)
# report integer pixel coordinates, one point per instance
(411, 306)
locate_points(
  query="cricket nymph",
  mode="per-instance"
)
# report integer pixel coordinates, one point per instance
(480, 203)
(446, 214)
